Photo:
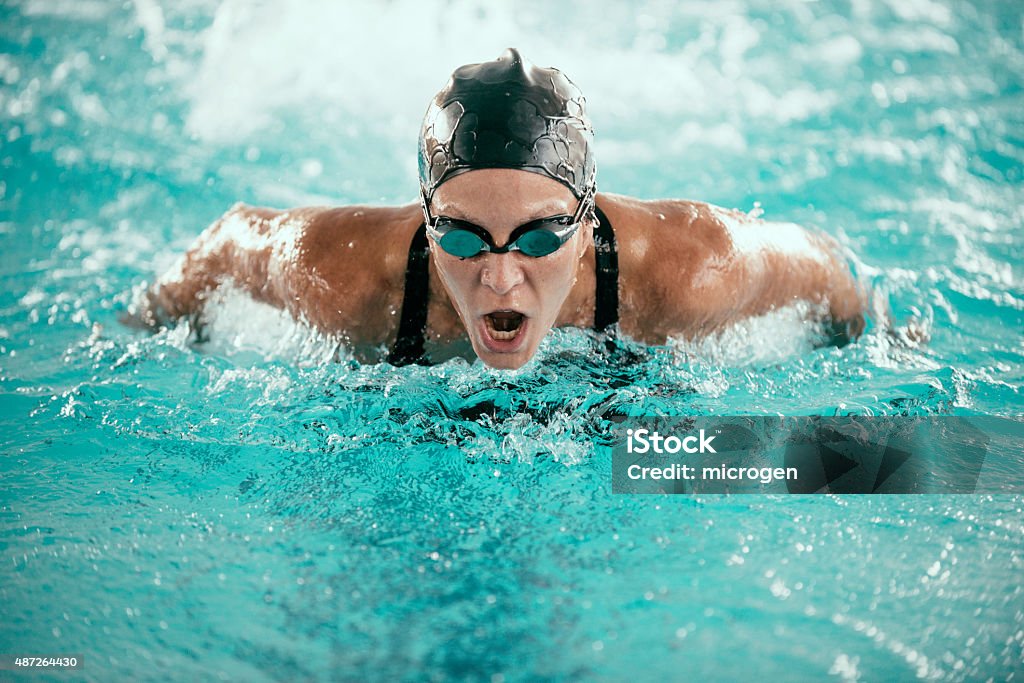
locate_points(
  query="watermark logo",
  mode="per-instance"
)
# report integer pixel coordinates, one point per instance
(645, 441)
(852, 454)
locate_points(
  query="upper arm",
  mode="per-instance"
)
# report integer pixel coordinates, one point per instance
(715, 267)
(778, 264)
(340, 269)
(348, 271)
(245, 245)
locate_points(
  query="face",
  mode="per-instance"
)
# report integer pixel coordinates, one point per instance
(507, 302)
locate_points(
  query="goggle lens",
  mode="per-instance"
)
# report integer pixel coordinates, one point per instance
(538, 242)
(462, 243)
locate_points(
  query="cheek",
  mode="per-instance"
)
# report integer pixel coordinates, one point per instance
(556, 279)
(568, 265)
(458, 277)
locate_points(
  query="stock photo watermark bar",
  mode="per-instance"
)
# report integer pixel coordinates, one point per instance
(853, 454)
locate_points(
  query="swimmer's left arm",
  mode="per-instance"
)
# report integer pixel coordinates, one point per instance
(740, 266)
(822, 278)
(781, 264)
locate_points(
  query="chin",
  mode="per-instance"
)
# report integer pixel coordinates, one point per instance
(504, 361)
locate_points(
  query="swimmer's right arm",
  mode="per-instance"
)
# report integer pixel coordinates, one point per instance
(245, 246)
(327, 266)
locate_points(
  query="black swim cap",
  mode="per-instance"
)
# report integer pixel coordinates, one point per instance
(508, 114)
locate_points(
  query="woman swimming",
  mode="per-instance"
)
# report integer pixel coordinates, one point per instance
(510, 239)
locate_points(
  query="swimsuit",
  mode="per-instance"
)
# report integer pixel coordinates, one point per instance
(409, 345)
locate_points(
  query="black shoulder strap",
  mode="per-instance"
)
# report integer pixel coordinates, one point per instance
(409, 345)
(606, 308)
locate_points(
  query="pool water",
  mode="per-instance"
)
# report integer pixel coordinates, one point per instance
(250, 508)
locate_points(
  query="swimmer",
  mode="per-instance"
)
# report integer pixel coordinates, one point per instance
(509, 239)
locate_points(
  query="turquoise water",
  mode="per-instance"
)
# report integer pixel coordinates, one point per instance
(246, 509)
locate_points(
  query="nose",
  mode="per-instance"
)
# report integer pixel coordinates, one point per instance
(502, 273)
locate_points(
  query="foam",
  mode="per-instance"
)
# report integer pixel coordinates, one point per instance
(261, 61)
(237, 324)
(151, 19)
(776, 336)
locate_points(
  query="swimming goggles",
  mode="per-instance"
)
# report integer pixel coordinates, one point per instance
(537, 238)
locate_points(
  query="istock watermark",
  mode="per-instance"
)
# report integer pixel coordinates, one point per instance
(853, 454)
(647, 441)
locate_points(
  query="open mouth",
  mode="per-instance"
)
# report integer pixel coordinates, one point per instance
(504, 325)
(503, 329)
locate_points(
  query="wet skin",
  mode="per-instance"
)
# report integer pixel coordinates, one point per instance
(685, 269)
(542, 290)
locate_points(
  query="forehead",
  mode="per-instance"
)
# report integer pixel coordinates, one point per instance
(490, 193)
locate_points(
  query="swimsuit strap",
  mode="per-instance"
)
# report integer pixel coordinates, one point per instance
(606, 306)
(409, 346)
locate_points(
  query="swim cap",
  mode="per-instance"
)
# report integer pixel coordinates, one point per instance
(508, 114)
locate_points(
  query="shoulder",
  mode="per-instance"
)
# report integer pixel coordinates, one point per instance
(672, 236)
(340, 268)
(677, 258)
(675, 223)
(320, 236)
(350, 266)
(367, 239)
